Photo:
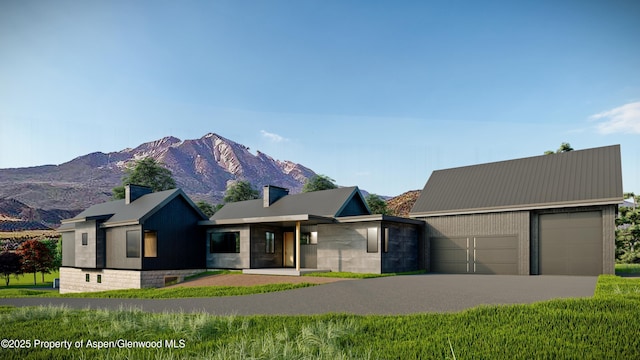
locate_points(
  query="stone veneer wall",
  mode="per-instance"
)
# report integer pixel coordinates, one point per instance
(73, 280)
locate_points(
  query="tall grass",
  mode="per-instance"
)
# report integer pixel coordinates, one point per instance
(602, 327)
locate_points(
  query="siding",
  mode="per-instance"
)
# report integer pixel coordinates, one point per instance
(230, 260)
(117, 249)
(259, 257)
(515, 223)
(181, 242)
(343, 247)
(403, 246)
(69, 248)
(85, 255)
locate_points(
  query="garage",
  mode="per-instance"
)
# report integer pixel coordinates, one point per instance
(571, 243)
(475, 255)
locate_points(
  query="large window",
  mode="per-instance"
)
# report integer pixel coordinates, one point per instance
(270, 242)
(372, 240)
(150, 244)
(309, 238)
(85, 239)
(133, 244)
(224, 242)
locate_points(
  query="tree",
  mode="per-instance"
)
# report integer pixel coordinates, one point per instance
(36, 257)
(10, 264)
(319, 182)
(55, 247)
(376, 204)
(628, 234)
(240, 191)
(564, 147)
(147, 172)
(207, 208)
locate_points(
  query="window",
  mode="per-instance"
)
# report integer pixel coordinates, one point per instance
(85, 239)
(150, 244)
(133, 244)
(99, 280)
(87, 277)
(372, 240)
(385, 247)
(309, 238)
(270, 242)
(224, 242)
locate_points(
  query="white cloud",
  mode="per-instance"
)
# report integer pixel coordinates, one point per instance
(272, 137)
(623, 119)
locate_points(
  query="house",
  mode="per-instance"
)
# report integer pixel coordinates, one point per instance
(542, 215)
(334, 228)
(143, 240)
(548, 215)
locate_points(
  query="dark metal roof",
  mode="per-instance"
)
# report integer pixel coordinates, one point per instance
(575, 178)
(118, 213)
(324, 204)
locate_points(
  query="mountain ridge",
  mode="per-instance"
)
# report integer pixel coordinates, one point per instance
(201, 167)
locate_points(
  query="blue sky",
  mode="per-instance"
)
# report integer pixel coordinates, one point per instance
(371, 93)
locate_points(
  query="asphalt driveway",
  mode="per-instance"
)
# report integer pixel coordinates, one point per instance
(386, 296)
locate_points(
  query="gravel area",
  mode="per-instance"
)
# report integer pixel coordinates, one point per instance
(252, 280)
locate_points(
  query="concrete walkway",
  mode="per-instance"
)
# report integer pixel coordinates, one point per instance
(386, 296)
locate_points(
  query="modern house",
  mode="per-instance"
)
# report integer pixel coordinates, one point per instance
(143, 240)
(335, 228)
(548, 215)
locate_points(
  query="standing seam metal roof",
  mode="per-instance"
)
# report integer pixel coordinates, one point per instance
(572, 178)
(326, 203)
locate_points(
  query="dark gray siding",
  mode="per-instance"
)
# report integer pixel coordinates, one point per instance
(259, 256)
(181, 242)
(354, 207)
(510, 224)
(309, 256)
(231, 260)
(402, 242)
(69, 249)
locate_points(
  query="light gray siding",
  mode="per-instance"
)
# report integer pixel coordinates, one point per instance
(69, 248)
(343, 247)
(230, 260)
(117, 248)
(85, 255)
(309, 256)
(511, 224)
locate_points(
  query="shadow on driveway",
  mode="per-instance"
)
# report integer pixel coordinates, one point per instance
(385, 296)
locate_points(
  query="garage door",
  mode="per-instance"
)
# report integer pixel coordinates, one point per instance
(571, 243)
(475, 255)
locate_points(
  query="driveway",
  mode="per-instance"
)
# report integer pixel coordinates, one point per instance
(386, 296)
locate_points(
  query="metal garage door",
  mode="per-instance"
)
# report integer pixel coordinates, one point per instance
(571, 243)
(475, 255)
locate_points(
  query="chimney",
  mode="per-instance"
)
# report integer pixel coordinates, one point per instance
(271, 194)
(133, 192)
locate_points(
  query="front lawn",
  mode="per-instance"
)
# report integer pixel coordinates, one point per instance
(26, 280)
(602, 327)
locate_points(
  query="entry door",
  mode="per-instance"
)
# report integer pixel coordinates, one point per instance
(289, 249)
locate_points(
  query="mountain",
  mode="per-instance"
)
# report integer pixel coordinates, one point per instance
(401, 205)
(15, 215)
(201, 167)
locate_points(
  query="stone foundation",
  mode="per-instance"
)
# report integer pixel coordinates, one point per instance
(74, 280)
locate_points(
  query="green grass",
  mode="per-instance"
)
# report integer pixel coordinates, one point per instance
(26, 280)
(350, 275)
(628, 269)
(602, 327)
(171, 293)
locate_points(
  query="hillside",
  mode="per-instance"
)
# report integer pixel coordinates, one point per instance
(401, 205)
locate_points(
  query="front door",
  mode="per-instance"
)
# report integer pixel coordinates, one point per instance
(289, 249)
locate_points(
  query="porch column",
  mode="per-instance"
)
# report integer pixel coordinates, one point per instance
(297, 244)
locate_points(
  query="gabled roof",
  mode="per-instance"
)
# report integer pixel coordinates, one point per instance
(575, 178)
(118, 213)
(327, 204)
